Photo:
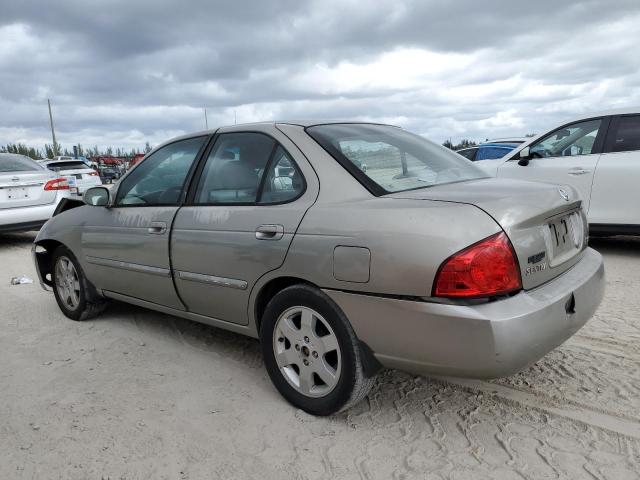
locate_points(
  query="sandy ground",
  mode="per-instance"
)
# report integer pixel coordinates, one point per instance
(137, 394)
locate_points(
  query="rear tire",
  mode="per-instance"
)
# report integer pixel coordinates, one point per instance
(75, 295)
(311, 352)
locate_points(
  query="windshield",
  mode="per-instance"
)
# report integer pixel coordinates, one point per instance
(17, 163)
(388, 159)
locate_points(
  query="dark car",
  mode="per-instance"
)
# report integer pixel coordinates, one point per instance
(490, 150)
(109, 174)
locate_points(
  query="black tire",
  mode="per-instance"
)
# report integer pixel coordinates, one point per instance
(352, 384)
(90, 304)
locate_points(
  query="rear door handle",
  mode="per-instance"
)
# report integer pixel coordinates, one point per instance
(157, 228)
(269, 232)
(578, 171)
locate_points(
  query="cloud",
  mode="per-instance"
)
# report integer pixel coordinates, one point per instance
(120, 72)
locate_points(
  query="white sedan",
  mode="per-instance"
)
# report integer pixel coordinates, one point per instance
(79, 175)
(29, 193)
(598, 154)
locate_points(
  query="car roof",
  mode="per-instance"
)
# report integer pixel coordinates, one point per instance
(603, 113)
(243, 126)
(507, 140)
(15, 155)
(595, 114)
(500, 144)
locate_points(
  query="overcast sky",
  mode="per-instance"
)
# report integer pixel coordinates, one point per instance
(122, 72)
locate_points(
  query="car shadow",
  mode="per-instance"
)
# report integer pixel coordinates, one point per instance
(193, 334)
(16, 239)
(620, 245)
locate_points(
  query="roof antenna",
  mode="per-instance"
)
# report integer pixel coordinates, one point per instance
(206, 121)
(235, 117)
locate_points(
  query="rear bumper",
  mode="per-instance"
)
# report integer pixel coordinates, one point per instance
(482, 341)
(22, 227)
(26, 218)
(78, 188)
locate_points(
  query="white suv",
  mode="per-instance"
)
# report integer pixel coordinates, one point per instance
(598, 154)
(79, 175)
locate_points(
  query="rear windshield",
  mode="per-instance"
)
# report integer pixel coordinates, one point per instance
(388, 159)
(57, 166)
(491, 152)
(17, 163)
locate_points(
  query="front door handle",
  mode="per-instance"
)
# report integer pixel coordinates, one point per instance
(578, 171)
(157, 228)
(269, 232)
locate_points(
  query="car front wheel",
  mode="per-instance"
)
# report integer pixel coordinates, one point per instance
(311, 352)
(75, 296)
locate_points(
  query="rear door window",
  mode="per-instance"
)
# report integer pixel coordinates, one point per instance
(625, 136)
(234, 169)
(491, 152)
(283, 181)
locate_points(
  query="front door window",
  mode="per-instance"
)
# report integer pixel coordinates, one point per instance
(576, 139)
(160, 178)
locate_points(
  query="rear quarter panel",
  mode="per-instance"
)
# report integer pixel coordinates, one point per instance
(408, 240)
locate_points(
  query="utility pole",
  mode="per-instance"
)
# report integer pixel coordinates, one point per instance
(53, 133)
(206, 120)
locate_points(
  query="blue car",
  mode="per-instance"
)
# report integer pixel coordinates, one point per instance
(490, 150)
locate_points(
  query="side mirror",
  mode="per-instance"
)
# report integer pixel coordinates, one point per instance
(96, 197)
(525, 155)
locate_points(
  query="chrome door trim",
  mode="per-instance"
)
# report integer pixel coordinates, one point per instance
(135, 267)
(213, 280)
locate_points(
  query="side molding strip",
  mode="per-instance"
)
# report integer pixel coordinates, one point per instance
(212, 280)
(135, 267)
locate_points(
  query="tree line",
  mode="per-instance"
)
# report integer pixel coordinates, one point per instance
(49, 152)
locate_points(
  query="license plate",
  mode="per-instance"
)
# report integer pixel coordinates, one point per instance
(17, 193)
(565, 237)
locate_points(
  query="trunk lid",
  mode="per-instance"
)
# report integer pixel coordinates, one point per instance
(80, 179)
(25, 189)
(545, 222)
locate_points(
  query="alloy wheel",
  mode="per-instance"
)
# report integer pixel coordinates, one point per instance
(67, 283)
(307, 351)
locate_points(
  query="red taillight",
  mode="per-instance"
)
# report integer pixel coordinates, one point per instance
(57, 184)
(485, 269)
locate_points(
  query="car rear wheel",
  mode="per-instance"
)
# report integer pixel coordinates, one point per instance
(311, 352)
(75, 296)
